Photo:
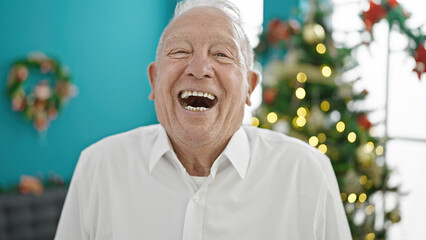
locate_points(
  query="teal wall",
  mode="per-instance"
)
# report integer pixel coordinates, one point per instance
(107, 44)
(282, 9)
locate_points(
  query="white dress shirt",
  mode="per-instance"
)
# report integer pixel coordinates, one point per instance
(264, 185)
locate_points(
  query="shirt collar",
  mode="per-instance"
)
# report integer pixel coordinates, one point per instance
(161, 146)
(237, 151)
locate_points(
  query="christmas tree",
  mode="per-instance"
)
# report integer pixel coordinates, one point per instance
(306, 95)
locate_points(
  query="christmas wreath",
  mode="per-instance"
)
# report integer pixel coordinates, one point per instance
(49, 95)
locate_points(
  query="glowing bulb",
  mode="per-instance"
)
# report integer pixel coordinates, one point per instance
(379, 150)
(370, 236)
(294, 122)
(313, 141)
(363, 180)
(255, 122)
(340, 126)
(369, 147)
(300, 93)
(321, 48)
(301, 77)
(326, 71)
(325, 105)
(302, 112)
(369, 210)
(352, 137)
(362, 197)
(372, 131)
(322, 148)
(343, 196)
(272, 117)
(322, 137)
(369, 184)
(352, 198)
(301, 121)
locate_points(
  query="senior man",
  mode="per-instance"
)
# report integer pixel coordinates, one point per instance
(200, 174)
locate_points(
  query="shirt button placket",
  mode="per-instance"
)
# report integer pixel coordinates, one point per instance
(193, 226)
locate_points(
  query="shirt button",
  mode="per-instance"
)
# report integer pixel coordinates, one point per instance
(196, 198)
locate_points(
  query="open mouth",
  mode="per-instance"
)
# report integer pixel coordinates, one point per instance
(197, 101)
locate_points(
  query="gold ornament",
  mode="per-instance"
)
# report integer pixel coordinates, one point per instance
(313, 33)
(363, 157)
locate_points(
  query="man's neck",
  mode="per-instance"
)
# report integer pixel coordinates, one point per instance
(199, 160)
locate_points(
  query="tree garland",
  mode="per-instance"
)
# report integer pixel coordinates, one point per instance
(394, 13)
(43, 104)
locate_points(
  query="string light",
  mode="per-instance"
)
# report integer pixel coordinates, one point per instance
(370, 236)
(255, 122)
(362, 197)
(326, 71)
(343, 196)
(352, 198)
(369, 210)
(272, 117)
(322, 148)
(313, 141)
(321, 48)
(294, 122)
(300, 93)
(372, 131)
(352, 137)
(379, 150)
(340, 126)
(325, 105)
(301, 121)
(363, 180)
(322, 137)
(301, 77)
(350, 208)
(369, 184)
(369, 147)
(302, 112)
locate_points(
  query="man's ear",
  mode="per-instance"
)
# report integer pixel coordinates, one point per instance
(152, 75)
(253, 80)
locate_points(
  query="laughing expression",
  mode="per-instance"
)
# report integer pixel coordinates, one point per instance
(200, 83)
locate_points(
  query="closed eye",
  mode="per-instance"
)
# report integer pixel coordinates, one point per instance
(179, 52)
(221, 55)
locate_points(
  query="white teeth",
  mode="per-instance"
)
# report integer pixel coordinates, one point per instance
(196, 109)
(186, 94)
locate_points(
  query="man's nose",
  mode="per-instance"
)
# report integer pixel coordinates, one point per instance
(199, 66)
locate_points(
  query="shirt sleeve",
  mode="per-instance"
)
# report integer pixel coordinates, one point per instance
(72, 218)
(330, 219)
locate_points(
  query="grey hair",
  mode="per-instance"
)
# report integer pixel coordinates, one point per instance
(226, 7)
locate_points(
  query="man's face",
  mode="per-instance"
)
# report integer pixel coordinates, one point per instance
(199, 82)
